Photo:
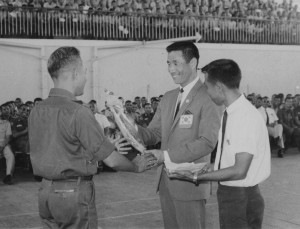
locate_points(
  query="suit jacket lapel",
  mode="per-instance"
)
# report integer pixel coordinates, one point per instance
(187, 101)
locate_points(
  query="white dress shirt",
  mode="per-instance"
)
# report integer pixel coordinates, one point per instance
(187, 89)
(245, 131)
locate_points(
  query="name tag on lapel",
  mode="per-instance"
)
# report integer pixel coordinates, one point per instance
(186, 121)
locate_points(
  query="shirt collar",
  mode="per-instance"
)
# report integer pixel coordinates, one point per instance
(236, 104)
(58, 92)
(189, 87)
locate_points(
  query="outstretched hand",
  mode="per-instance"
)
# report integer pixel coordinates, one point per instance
(187, 174)
(159, 154)
(144, 162)
(121, 145)
(180, 175)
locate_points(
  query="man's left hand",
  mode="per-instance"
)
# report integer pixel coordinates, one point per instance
(159, 154)
(144, 162)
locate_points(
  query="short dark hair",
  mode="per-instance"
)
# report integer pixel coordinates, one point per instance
(147, 104)
(188, 48)
(127, 101)
(225, 71)
(92, 101)
(61, 58)
(37, 99)
(29, 103)
(288, 98)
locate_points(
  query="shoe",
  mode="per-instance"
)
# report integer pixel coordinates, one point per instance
(8, 180)
(280, 153)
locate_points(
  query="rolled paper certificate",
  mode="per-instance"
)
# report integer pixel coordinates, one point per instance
(125, 125)
(193, 167)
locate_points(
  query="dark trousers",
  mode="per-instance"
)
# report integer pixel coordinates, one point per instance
(68, 204)
(240, 207)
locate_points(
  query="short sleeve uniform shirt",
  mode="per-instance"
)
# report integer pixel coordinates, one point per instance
(65, 138)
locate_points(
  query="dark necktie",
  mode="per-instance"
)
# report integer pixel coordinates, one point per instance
(267, 116)
(223, 134)
(178, 102)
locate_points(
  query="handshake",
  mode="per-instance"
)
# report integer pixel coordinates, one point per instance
(148, 160)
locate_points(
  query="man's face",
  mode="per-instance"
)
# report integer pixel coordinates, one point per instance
(148, 109)
(258, 103)
(5, 110)
(138, 101)
(128, 107)
(214, 91)
(24, 111)
(134, 107)
(154, 105)
(289, 103)
(143, 101)
(180, 71)
(92, 107)
(18, 102)
(277, 101)
(80, 79)
(265, 103)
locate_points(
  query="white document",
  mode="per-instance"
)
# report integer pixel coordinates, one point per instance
(182, 166)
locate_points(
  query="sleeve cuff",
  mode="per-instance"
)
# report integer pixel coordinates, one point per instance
(166, 155)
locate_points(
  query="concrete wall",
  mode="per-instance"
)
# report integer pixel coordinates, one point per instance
(136, 68)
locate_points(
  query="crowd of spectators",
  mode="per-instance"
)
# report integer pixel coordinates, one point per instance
(282, 117)
(14, 142)
(251, 9)
(203, 16)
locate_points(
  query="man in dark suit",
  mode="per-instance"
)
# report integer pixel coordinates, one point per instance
(187, 123)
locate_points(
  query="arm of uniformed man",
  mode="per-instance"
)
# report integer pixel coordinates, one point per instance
(99, 148)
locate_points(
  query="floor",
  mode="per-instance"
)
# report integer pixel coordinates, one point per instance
(127, 200)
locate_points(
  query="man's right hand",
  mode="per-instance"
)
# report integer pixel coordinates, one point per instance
(144, 162)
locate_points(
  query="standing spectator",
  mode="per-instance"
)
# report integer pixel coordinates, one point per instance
(154, 104)
(19, 125)
(143, 101)
(290, 130)
(18, 103)
(5, 150)
(146, 118)
(275, 129)
(101, 119)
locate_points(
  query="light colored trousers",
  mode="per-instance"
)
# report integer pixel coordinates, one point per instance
(275, 132)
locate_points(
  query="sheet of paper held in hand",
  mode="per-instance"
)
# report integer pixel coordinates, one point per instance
(193, 167)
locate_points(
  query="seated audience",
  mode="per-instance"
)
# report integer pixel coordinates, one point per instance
(286, 118)
(5, 150)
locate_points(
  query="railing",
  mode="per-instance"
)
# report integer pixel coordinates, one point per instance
(58, 23)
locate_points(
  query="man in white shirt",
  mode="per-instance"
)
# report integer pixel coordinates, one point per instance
(101, 119)
(275, 129)
(243, 153)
